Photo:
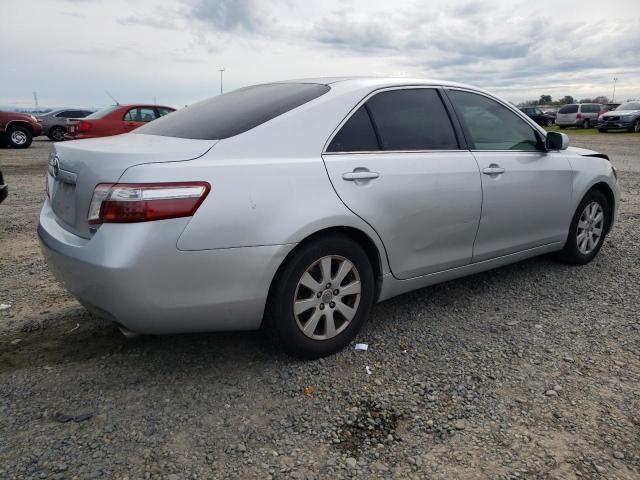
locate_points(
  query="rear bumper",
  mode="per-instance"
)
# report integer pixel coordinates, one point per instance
(134, 275)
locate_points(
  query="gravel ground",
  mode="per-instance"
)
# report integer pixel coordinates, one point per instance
(528, 371)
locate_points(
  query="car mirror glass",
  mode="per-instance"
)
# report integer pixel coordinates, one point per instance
(557, 141)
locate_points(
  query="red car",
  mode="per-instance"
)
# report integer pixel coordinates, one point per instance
(18, 129)
(114, 120)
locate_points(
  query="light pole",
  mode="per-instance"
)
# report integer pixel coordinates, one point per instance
(221, 71)
(613, 97)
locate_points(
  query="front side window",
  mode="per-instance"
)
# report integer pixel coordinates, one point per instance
(569, 109)
(491, 125)
(629, 106)
(140, 114)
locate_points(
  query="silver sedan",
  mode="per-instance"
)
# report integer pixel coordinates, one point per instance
(297, 205)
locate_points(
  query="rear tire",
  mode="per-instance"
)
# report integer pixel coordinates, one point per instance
(588, 229)
(56, 133)
(19, 137)
(321, 297)
(586, 124)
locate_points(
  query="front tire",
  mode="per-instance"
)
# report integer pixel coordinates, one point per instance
(19, 137)
(549, 122)
(588, 229)
(635, 127)
(321, 297)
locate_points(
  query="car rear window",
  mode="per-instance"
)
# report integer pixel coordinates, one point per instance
(569, 109)
(235, 112)
(102, 113)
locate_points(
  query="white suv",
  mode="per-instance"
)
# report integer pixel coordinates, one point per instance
(583, 115)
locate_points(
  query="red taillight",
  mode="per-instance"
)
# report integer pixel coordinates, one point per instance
(578, 117)
(84, 126)
(143, 202)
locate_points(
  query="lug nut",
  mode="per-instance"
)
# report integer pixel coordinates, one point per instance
(319, 294)
(328, 285)
(322, 306)
(332, 304)
(336, 291)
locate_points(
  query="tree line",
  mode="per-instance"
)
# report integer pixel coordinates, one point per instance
(548, 100)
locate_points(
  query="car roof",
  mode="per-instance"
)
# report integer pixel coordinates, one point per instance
(381, 82)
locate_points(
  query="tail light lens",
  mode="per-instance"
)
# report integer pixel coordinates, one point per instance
(84, 126)
(143, 202)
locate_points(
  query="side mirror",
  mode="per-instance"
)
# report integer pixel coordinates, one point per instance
(556, 141)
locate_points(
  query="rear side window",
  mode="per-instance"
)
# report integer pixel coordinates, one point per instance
(412, 119)
(357, 135)
(234, 113)
(164, 111)
(569, 109)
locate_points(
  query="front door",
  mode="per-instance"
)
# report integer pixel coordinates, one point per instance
(396, 164)
(526, 190)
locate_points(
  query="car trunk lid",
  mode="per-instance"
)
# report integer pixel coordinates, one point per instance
(75, 168)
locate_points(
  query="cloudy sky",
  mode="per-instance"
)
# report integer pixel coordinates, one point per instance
(72, 51)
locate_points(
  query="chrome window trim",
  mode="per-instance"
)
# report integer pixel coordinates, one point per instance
(364, 100)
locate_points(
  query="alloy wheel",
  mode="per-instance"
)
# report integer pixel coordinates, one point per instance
(327, 297)
(590, 228)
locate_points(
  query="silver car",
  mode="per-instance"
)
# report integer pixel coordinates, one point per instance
(297, 205)
(583, 115)
(54, 123)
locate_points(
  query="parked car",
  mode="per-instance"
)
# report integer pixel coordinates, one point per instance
(4, 189)
(608, 107)
(626, 116)
(305, 203)
(583, 115)
(54, 124)
(552, 112)
(18, 129)
(538, 116)
(114, 120)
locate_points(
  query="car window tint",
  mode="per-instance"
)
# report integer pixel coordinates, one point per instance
(356, 135)
(412, 119)
(569, 109)
(140, 114)
(64, 114)
(491, 125)
(235, 112)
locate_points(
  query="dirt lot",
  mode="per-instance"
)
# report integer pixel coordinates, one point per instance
(529, 371)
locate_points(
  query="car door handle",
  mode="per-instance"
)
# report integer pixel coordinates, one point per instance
(360, 175)
(493, 169)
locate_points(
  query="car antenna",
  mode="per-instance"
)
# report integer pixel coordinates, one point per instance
(113, 98)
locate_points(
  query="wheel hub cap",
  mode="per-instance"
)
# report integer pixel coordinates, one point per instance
(590, 228)
(327, 297)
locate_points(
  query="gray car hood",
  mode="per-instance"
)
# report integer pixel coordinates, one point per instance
(615, 113)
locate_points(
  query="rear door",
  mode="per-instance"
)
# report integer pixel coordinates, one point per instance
(137, 116)
(396, 163)
(526, 190)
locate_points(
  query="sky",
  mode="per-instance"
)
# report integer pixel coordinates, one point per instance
(71, 52)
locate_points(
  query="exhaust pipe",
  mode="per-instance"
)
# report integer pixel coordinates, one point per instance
(128, 334)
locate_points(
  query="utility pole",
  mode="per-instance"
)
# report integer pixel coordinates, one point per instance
(35, 97)
(613, 97)
(154, 100)
(221, 72)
